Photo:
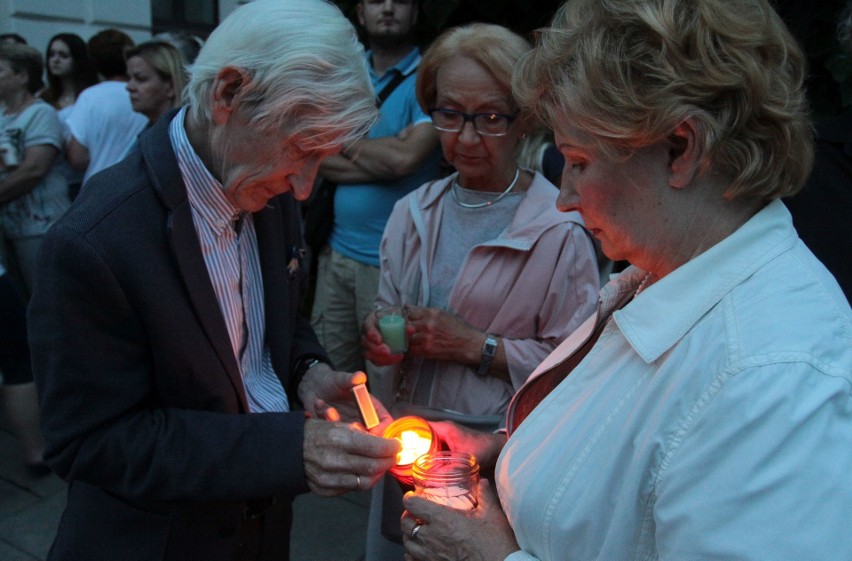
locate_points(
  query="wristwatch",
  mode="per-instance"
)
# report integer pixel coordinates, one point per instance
(489, 349)
(305, 365)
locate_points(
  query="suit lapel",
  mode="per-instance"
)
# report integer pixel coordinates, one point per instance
(186, 248)
(196, 279)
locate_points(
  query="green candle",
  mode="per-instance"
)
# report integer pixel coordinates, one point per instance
(392, 327)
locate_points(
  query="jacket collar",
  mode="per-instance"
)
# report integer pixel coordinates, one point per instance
(534, 215)
(160, 161)
(655, 321)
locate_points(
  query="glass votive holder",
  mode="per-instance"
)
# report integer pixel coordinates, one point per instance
(417, 439)
(391, 320)
(447, 478)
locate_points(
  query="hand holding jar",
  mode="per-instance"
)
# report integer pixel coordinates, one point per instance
(435, 531)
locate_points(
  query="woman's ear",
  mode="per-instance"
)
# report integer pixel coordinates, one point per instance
(685, 152)
(227, 87)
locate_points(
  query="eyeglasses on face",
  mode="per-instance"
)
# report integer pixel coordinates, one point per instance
(486, 124)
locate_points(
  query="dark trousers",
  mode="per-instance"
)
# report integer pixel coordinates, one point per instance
(14, 351)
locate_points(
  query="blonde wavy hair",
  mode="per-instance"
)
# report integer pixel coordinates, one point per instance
(627, 72)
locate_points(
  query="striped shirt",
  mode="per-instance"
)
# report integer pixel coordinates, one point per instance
(229, 247)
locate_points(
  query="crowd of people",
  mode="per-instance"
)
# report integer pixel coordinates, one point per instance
(66, 114)
(158, 201)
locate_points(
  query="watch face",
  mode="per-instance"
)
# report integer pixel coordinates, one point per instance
(490, 346)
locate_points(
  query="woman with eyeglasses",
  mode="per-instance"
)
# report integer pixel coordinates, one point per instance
(492, 276)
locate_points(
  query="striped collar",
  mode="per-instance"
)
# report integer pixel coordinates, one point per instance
(205, 192)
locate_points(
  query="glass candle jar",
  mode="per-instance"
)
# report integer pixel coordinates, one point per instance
(391, 320)
(447, 478)
(417, 439)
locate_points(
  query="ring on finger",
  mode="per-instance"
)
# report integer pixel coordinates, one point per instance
(358, 482)
(413, 534)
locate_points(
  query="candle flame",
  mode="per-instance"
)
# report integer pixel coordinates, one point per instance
(413, 446)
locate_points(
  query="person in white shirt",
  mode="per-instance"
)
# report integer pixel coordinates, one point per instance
(705, 411)
(103, 123)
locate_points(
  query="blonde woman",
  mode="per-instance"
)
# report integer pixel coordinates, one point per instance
(704, 411)
(155, 78)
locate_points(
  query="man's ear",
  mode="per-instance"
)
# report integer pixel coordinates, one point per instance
(685, 152)
(227, 87)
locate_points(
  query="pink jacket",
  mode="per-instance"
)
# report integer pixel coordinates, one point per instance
(533, 285)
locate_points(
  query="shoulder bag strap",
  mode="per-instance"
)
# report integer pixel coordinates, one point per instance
(387, 90)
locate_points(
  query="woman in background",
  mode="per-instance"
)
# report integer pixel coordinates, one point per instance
(33, 191)
(69, 72)
(492, 275)
(155, 78)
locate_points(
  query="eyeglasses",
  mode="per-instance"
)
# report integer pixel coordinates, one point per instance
(486, 124)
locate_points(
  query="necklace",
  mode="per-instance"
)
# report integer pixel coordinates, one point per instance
(642, 285)
(486, 203)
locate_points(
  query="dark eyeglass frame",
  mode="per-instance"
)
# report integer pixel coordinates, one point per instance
(471, 117)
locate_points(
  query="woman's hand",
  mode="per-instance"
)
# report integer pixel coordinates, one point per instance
(485, 446)
(440, 335)
(374, 346)
(448, 534)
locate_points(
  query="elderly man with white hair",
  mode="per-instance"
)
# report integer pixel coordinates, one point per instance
(171, 361)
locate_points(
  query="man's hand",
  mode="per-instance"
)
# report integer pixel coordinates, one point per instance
(327, 394)
(342, 457)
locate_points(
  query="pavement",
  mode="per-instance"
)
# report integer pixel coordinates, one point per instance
(324, 529)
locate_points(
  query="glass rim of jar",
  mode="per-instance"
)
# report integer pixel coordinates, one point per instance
(445, 459)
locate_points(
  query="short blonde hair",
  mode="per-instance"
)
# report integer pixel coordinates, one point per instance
(627, 72)
(167, 61)
(493, 46)
(498, 50)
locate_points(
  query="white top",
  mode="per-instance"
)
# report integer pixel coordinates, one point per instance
(104, 122)
(712, 419)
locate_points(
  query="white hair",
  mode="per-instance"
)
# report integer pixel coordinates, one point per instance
(308, 71)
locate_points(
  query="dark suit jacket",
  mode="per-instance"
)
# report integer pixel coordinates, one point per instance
(144, 411)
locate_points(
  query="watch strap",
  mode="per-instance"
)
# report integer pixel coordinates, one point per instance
(489, 350)
(305, 365)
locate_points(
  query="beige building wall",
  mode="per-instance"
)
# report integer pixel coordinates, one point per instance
(39, 20)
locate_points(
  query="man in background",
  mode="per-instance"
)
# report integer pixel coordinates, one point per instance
(400, 154)
(103, 124)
